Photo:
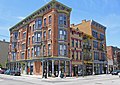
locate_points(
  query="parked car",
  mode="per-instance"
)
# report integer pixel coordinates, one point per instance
(115, 72)
(7, 72)
(2, 70)
(15, 73)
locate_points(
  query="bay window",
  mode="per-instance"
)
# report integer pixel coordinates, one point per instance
(62, 34)
(38, 24)
(62, 50)
(62, 20)
(38, 37)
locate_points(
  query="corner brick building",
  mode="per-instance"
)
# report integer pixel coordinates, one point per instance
(45, 42)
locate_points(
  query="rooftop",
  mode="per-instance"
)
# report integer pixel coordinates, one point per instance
(48, 6)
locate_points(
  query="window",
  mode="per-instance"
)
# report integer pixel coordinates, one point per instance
(38, 37)
(14, 45)
(72, 54)
(44, 35)
(50, 19)
(32, 52)
(103, 56)
(38, 24)
(19, 35)
(65, 50)
(62, 50)
(72, 42)
(24, 35)
(37, 50)
(102, 36)
(49, 49)
(45, 22)
(77, 43)
(22, 55)
(15, 35)
(76, 55)
(18, 45)
(62, 19)
(80, 44)
(44, 48)
(29, 41)
(65, 20)
(95, 34)
(80, 55)
(62, 34)
(49, 34)
(32, 39)
(23, 46)
(28, 53)
(29, 30)
(33, 27)
(65, 35)
(13, 56)
(101, 45)
(96, 55)
(95, 44)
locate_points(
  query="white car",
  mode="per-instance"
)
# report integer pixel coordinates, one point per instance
(119, 75)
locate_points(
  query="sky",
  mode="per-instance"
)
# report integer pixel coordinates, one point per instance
(105, 12)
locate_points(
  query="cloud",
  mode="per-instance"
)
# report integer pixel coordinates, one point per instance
(20, 18)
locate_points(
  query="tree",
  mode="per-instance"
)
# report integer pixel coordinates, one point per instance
(0, 65)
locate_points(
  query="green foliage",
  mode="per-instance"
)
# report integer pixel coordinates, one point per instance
(0, 65)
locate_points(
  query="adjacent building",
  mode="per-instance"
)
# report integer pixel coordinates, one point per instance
(80, 52)
(45, 42)
(113, 54)
(4, 49)
(98, 44)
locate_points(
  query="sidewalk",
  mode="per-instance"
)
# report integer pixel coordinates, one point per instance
(68, 78)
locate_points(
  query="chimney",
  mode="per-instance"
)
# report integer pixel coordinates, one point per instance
(83, 21)
(72, 25)
(3, 40)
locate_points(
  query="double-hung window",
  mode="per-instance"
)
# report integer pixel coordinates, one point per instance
(50, 19)
(38, 24)
(44, 21)
(62, 19)
(49, 34)
(62, 50)
(49, 49)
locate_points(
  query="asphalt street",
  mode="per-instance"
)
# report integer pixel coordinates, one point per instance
(30, 80)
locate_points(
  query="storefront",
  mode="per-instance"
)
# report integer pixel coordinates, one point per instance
(100, 67)
(49, 66)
